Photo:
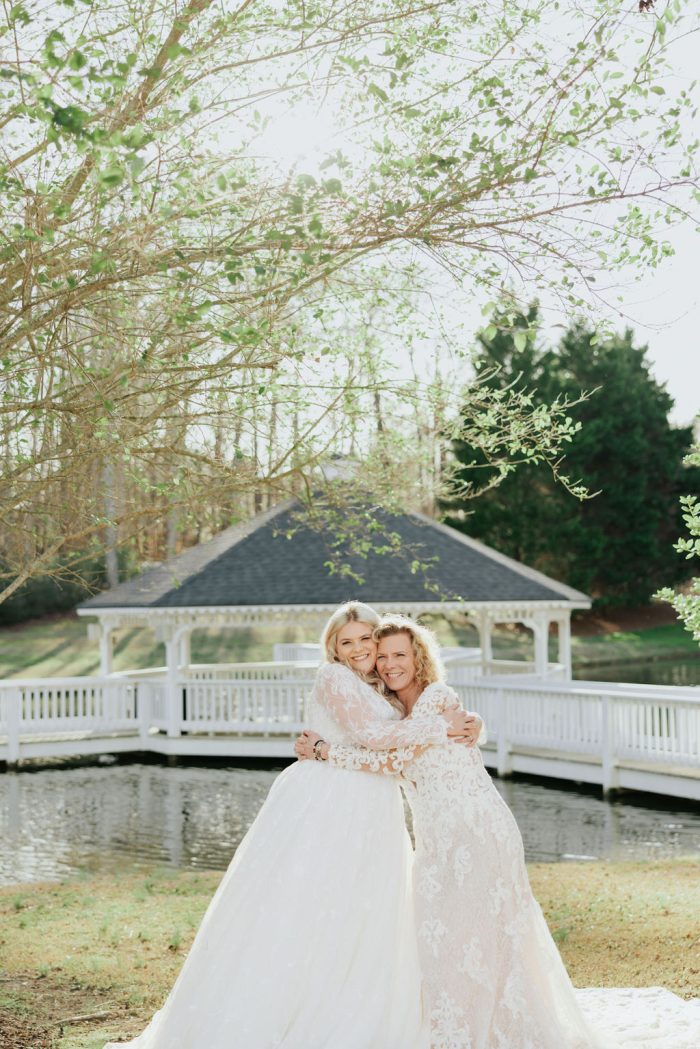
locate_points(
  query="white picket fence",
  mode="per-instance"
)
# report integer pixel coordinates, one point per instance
(609, 724)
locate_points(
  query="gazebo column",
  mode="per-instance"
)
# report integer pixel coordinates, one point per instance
(484, 627)
(539, 625)
(172, 663)
(106, 650)
(103, 632)
(564, 644)
(186, 649)
(173, 637)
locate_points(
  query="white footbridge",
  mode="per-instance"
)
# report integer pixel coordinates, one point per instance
(614, 735)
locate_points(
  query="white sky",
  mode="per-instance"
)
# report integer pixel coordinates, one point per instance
(667, 312)
(662, 307)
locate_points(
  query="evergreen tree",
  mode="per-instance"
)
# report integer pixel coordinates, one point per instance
(617, 545)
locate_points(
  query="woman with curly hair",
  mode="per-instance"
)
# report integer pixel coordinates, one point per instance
(492, 975)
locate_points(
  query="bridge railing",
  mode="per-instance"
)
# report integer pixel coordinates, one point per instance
(45, 707)
(614, 723)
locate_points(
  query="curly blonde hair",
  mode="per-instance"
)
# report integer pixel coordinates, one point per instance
(350, 612)
(424, 645)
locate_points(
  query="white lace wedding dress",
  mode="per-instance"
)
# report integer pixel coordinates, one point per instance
(493, 977)
(309, 941)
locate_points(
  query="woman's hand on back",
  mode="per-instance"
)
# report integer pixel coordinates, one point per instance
(462, 725)
(304, 746)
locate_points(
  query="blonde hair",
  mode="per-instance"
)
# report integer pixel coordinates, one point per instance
(350, 612)
(424, 645)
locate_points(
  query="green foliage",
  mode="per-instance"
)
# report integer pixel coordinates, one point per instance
(167, 293)
(614, 544)
(687, 604)
(65, 584)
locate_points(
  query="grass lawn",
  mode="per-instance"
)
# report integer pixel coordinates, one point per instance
(671, 641)
(91, 959)
(59, 647)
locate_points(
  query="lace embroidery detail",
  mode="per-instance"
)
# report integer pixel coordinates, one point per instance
(492, 974)
(432, 932)
(462, 864)
(367, 718)
(473, 962)
(428, 885)
(448, 1032)
(358, 759)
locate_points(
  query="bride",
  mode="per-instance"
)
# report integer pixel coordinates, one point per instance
(493, 977)
(309, 941)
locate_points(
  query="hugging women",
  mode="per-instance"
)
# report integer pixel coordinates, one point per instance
(329, 932)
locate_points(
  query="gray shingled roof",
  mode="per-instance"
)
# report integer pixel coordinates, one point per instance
(258, 565)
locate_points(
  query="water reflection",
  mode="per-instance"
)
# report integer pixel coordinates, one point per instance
(54, 823)
(661, 672)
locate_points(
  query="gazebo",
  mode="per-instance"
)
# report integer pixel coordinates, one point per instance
(274, 568)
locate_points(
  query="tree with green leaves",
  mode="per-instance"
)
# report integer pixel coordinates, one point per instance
(614, 543)
(182, 319)
(687, 603)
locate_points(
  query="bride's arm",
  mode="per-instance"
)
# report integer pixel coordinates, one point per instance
(356, 758)
(350, 703)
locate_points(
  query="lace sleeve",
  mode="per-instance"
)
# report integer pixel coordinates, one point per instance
(440, 696)
(353, 705)
(360, 759)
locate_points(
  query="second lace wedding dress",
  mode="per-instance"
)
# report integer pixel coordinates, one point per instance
(493, 977)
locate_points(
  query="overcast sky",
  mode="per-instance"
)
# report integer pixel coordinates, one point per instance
(665, 304)
(662, 307)
(667, 310)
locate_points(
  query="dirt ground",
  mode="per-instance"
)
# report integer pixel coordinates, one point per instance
(36, 1012)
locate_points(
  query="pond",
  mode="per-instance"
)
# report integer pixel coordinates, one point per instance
(58, 822)
(658, 672)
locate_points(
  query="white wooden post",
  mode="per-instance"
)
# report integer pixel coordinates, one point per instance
(145, 708)
(504, 761)
(610, 773)
(173, 696)
(484, 628)
(540, 630)
(14, 714)
(185, 650)
(564, 644)
(106, 649)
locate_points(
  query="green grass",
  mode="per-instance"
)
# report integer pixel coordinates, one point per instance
(109, 948)
(60, 647)
(671, 641)
(668, 641)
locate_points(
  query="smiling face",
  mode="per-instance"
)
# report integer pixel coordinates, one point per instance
(355, 646)
(396, 664)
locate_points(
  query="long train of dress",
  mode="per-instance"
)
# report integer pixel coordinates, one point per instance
(309, 941)
(493, 977)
